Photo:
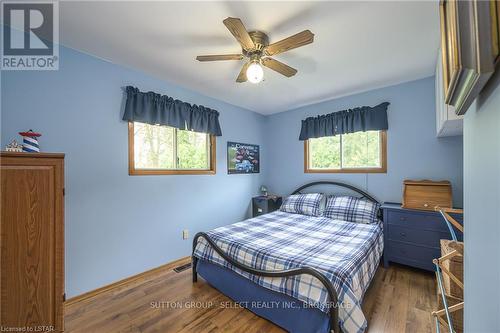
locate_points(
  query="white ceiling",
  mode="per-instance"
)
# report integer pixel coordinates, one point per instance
(358, 46)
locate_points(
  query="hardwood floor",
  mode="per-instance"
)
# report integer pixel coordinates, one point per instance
(399, 300)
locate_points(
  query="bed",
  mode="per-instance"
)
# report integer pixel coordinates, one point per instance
(304, 273)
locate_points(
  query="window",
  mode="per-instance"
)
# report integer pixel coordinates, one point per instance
(164, 150)
(360, 152)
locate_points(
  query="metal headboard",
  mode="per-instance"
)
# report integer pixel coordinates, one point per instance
(327, 182)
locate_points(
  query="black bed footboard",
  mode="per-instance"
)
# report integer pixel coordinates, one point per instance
(332, 294)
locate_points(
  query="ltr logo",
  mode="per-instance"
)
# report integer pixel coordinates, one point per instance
(30, 35)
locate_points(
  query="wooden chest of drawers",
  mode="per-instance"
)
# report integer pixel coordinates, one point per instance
(411, 237)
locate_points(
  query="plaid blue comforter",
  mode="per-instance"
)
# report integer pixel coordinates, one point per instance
(346, 253)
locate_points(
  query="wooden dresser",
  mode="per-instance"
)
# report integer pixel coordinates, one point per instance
(32, 242)
(411, 237)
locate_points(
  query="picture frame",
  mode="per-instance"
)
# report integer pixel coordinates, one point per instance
(242, 158)
(469, 40)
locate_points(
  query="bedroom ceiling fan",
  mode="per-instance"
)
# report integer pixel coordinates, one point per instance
(256, 48)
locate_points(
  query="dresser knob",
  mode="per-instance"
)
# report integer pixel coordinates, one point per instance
(426, 205)
(402, 234)
(402, 218)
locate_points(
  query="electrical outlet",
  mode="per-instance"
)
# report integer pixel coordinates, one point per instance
(185, 234)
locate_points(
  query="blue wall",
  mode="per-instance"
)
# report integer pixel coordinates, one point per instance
(119, 225)
(482, 211)
(414, 152)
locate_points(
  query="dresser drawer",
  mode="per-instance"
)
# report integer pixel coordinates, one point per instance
(428, 221)
(417, 236)
(412, 255)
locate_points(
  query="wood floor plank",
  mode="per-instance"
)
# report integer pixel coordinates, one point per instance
(398, 307)
(399, 300)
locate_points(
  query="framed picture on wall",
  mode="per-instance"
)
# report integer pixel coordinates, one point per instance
(242, 158)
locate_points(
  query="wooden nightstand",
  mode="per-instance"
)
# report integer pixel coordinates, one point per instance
(265, 204)
(411, 237)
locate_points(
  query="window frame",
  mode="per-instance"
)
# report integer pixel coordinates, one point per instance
(381, 169)
(133, 171)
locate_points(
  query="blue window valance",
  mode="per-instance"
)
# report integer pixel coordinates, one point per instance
(347, 121)
(154, 109)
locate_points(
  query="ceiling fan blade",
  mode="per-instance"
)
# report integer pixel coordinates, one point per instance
(279, 67)
(302, 38)
(242, 77)
(217, 57)
(236, 27)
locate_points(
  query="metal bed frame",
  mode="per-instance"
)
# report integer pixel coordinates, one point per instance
(332, 294)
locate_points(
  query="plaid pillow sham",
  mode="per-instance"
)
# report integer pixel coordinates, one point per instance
(351, 209)
(305, 204)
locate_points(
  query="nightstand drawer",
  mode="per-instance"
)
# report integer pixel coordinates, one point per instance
(421, 220)
(417, 236)
(412, 255)
(260, 203)
(263, 205)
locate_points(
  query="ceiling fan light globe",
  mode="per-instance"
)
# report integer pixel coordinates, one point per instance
(255, 73)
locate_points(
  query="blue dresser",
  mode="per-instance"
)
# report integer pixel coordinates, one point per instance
(411, 237)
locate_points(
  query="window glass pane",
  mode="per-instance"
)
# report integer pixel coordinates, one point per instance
(361, 149)
(192, 150)
(324, 153)
(166, 148)
(153, 146)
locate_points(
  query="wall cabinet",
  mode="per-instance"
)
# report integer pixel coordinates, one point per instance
(469, 44)
(32, 242)
(448, 123)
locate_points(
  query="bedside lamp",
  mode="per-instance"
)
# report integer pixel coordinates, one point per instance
(263, 190)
